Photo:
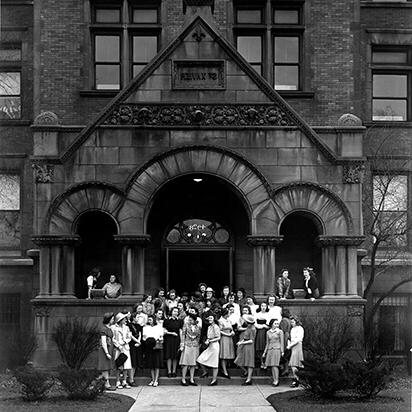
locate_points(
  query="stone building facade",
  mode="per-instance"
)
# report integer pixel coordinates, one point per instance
(178, 142)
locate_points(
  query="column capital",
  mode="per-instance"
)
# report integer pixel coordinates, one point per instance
(324, 241)
(264, 240)
(140, 240)
(47, 239)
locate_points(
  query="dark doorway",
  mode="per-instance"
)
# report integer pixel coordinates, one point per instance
(299, 249)
(187, 268)
(97, 249)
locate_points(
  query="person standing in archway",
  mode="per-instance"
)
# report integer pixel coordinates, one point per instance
(284, 286)
(311, 284)
(92, 278)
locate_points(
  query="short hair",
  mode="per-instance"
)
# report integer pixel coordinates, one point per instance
(106, 317)
(296, 319)
(146, 296)
(284, 270)
(248, 309)
(241, 290)
(272, 321)
(153, 318)
(171, 291)
(192, 316)
(225, 311)
(272, 296)
(285, 312)
(229, 306)
(231, 294)
(259, 309)
(202, 284)
(94, 271)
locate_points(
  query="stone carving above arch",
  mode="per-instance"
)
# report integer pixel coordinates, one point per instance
(330, 210)
(46, 118)
(349, 119)
(78, 199)
(249, 183)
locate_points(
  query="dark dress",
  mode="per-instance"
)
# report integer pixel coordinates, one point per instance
(136, 353)
(172, 343)
(105, 364)
(246, 353)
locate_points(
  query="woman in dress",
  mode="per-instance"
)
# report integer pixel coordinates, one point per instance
(159, 299)
(134, 344)
(189, 338)
(274, 349)
(262, 326)
(241, 297)
(227, 350)
(121, 338)
(224, 297)
(153, 338)
(295, 344)
(148, 306)
(172, 327)
(252, 305)
(210, 357)
(170, 301)
(232, 302)
(159, 316)
(246, 349)
(310, 284)
(275, 311)
(105, 355)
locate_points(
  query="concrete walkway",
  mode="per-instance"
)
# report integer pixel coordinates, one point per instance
(227, 398)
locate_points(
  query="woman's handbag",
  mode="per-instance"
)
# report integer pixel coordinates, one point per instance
(158, 346)
(120, 360)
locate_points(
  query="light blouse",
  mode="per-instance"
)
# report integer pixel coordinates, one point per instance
(275, 312)
(155, 332)
(296, 334)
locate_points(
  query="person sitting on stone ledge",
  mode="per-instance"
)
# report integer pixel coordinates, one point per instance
(91, 280)
(112, 289)
(311, 284)
(283, 286)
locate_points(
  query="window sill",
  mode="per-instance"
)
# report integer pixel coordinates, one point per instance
(296, 94)
(386, 4)
(99, 93)
(387, 124)
(15, 122)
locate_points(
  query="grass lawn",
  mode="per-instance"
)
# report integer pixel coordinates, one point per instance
(56, 401)
(300, 401)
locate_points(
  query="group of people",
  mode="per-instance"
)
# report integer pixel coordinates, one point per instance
(200, 331)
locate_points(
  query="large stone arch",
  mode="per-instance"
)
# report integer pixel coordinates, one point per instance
(247, 181)
(66, 208)
(326, 206)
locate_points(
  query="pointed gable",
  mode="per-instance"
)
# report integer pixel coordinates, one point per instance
(199, 80)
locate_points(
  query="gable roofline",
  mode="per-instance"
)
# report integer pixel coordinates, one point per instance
(263, 85)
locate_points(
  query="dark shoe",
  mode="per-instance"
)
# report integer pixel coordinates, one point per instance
(169, 375)
(184, 383)
(110, 388)
(244, 374)
(213, 383)
(174, 375)
(247, 383)
(192, 383)
(226, 375)
(275, 384)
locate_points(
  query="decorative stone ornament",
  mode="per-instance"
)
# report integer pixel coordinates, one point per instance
(202, 115)
(349, 119)
(46, 119)
(353, 173)
(43, 173)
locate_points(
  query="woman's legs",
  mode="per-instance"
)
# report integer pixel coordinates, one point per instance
(249, 374)
(169, 366)
(105, 375)
(152, 374)
(214, 374)
(192, 373)
(174, 366)
(184, 372)
(275, 374)
(156, 375)
(224, 368)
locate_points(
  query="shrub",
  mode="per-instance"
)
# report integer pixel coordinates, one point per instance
(81, 384)
(34, 383)
(323, 378)
(9, 356)
(328, 337)
(76, 340)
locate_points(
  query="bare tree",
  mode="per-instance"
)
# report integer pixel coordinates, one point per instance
(386, 218)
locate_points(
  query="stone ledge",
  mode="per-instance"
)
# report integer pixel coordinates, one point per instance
(15, 262)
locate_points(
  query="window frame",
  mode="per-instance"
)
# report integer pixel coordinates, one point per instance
(139, 33)
(13, 66)
(396, 69)
(254, 33)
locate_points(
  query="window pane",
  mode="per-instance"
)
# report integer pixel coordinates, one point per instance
(145, 16)
(286, 17)
(107, 16)
(10, 108)
(249, 16)
(258, 68)
(107, 48)
(11, 55)
(389, 57)
(137, 68)
(9, 83)
(250, 47)
(107, 77)
(144, 48)
(389, 110)
(389, 85)
(9, 192)
(9, 229)
(286, 77)
(390, 192)
(286, 49)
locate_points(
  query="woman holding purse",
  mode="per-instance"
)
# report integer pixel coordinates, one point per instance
(295, 344)
(274, 349)
(121, 338)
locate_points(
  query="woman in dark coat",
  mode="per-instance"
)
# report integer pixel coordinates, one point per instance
(105, 354)
(310, 284)
(172, 327)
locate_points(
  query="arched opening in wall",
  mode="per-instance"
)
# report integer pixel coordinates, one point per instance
(298, 248)
(96, 249)
(198, 226)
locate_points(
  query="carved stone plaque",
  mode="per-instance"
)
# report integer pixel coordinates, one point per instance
(199, 75)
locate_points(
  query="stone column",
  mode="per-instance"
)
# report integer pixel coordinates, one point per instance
(56, 265)
(133, 269)
(264, 270)
(339, 266)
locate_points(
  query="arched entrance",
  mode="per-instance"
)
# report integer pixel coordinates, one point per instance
(299, 248)
(199, 227)
(97, 248)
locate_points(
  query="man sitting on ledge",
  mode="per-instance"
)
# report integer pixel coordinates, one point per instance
(112, 289)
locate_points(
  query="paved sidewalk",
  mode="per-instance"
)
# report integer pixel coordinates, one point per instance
(225, 398)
